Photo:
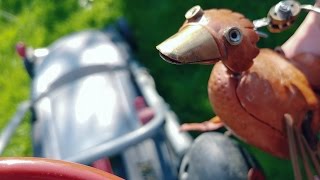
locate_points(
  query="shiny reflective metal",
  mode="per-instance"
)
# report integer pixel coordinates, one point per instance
(284, 9)
(192, 44)
(194, 13)
(283, 15)
(261, 22)
(310, 8)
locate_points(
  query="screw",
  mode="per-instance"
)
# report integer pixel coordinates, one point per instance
(194, 13)
(283, 9)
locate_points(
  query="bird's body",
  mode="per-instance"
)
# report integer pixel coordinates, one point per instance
(252, 104)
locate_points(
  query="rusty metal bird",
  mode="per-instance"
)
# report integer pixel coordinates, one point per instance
(258, 94)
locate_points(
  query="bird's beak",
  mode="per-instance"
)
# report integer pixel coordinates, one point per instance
(192, 44)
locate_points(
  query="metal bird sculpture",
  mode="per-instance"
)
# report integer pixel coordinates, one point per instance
(262, 97)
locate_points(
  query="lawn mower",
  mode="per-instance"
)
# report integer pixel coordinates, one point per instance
(92, 103)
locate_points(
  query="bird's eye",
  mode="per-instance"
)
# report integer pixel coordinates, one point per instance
(233, 36)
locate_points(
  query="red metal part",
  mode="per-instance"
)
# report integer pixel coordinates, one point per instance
(47, 169)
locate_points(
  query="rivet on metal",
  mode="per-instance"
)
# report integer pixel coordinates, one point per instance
(194, 13)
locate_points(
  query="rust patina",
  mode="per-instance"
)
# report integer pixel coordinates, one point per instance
(250, 89)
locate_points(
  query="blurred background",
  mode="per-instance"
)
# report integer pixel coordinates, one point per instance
(39, 23)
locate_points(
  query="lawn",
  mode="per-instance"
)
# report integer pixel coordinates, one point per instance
(41, 22)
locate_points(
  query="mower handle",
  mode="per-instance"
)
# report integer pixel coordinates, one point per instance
(112, 147)
(121, 143)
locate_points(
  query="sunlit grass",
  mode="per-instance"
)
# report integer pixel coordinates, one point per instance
(38, 23)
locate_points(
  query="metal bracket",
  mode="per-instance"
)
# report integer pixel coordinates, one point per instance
(282, 15)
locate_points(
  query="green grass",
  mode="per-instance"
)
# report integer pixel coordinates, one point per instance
(41, 22)
(38, 23)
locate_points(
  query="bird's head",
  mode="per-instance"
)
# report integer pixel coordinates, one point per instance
(212, 35)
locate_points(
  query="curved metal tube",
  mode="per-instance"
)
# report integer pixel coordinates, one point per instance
(112, 147)
(115, 146)
(8, 131)
(310, 8)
